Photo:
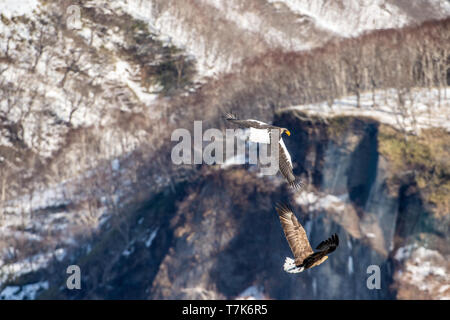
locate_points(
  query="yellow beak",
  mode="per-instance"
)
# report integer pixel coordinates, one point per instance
(288, 132)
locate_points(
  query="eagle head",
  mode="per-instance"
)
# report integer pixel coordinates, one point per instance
(286, 131)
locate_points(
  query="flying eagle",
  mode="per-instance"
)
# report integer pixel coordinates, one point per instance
(259, 132)
(304, 255)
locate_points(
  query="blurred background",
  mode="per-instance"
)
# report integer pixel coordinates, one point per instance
(91, 92)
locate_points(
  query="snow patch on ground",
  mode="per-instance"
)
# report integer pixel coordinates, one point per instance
(252, 293)
(170, 29)
(425, 269)
(405, 252)
(123, 71)
(9, 272)
(128, 251)
(12, 8)
(350, 265)
(252, 22)
(28, 291)
(325, 202)
(151, 237)
(360, 15)
(423, 108)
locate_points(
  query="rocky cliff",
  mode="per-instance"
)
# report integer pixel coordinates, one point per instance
(218, 234)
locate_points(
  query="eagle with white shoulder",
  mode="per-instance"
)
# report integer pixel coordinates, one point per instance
(259, 132)
(304, 256)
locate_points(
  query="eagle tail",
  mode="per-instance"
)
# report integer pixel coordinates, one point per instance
(289, 266)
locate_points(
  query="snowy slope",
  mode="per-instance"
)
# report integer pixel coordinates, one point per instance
(12, 8)
(351, 18)
(79, 85)
(423, 270)
(287, 24)
(423, 108)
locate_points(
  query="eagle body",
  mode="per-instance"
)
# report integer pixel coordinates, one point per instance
(304, 256)
(289, 265)
(259, 136)
(249, 123)
(259, 132)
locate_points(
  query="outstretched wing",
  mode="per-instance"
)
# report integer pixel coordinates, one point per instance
(232, 118)
(294, 232)
(285, 166)
(249, 123)
(329, 245)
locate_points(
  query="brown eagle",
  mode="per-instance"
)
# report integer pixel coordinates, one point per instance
(256, 128)
(304, 255)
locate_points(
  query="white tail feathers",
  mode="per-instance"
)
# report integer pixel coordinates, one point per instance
(289, 266)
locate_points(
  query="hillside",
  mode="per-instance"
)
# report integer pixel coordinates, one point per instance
(92, 90)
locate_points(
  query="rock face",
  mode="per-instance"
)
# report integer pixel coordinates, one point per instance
(221, 246)
(218, 234)
(424, 274)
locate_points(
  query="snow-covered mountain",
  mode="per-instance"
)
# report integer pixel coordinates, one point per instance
(205, 28)
(91, 90)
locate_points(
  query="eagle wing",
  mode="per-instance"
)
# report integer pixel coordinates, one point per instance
(285, 166)
(325, 247)
(295, 234)
(284, 161)
(249, 123)
(329, 245)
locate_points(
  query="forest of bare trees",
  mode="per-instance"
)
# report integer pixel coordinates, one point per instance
(416, 56)
(402, 59)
